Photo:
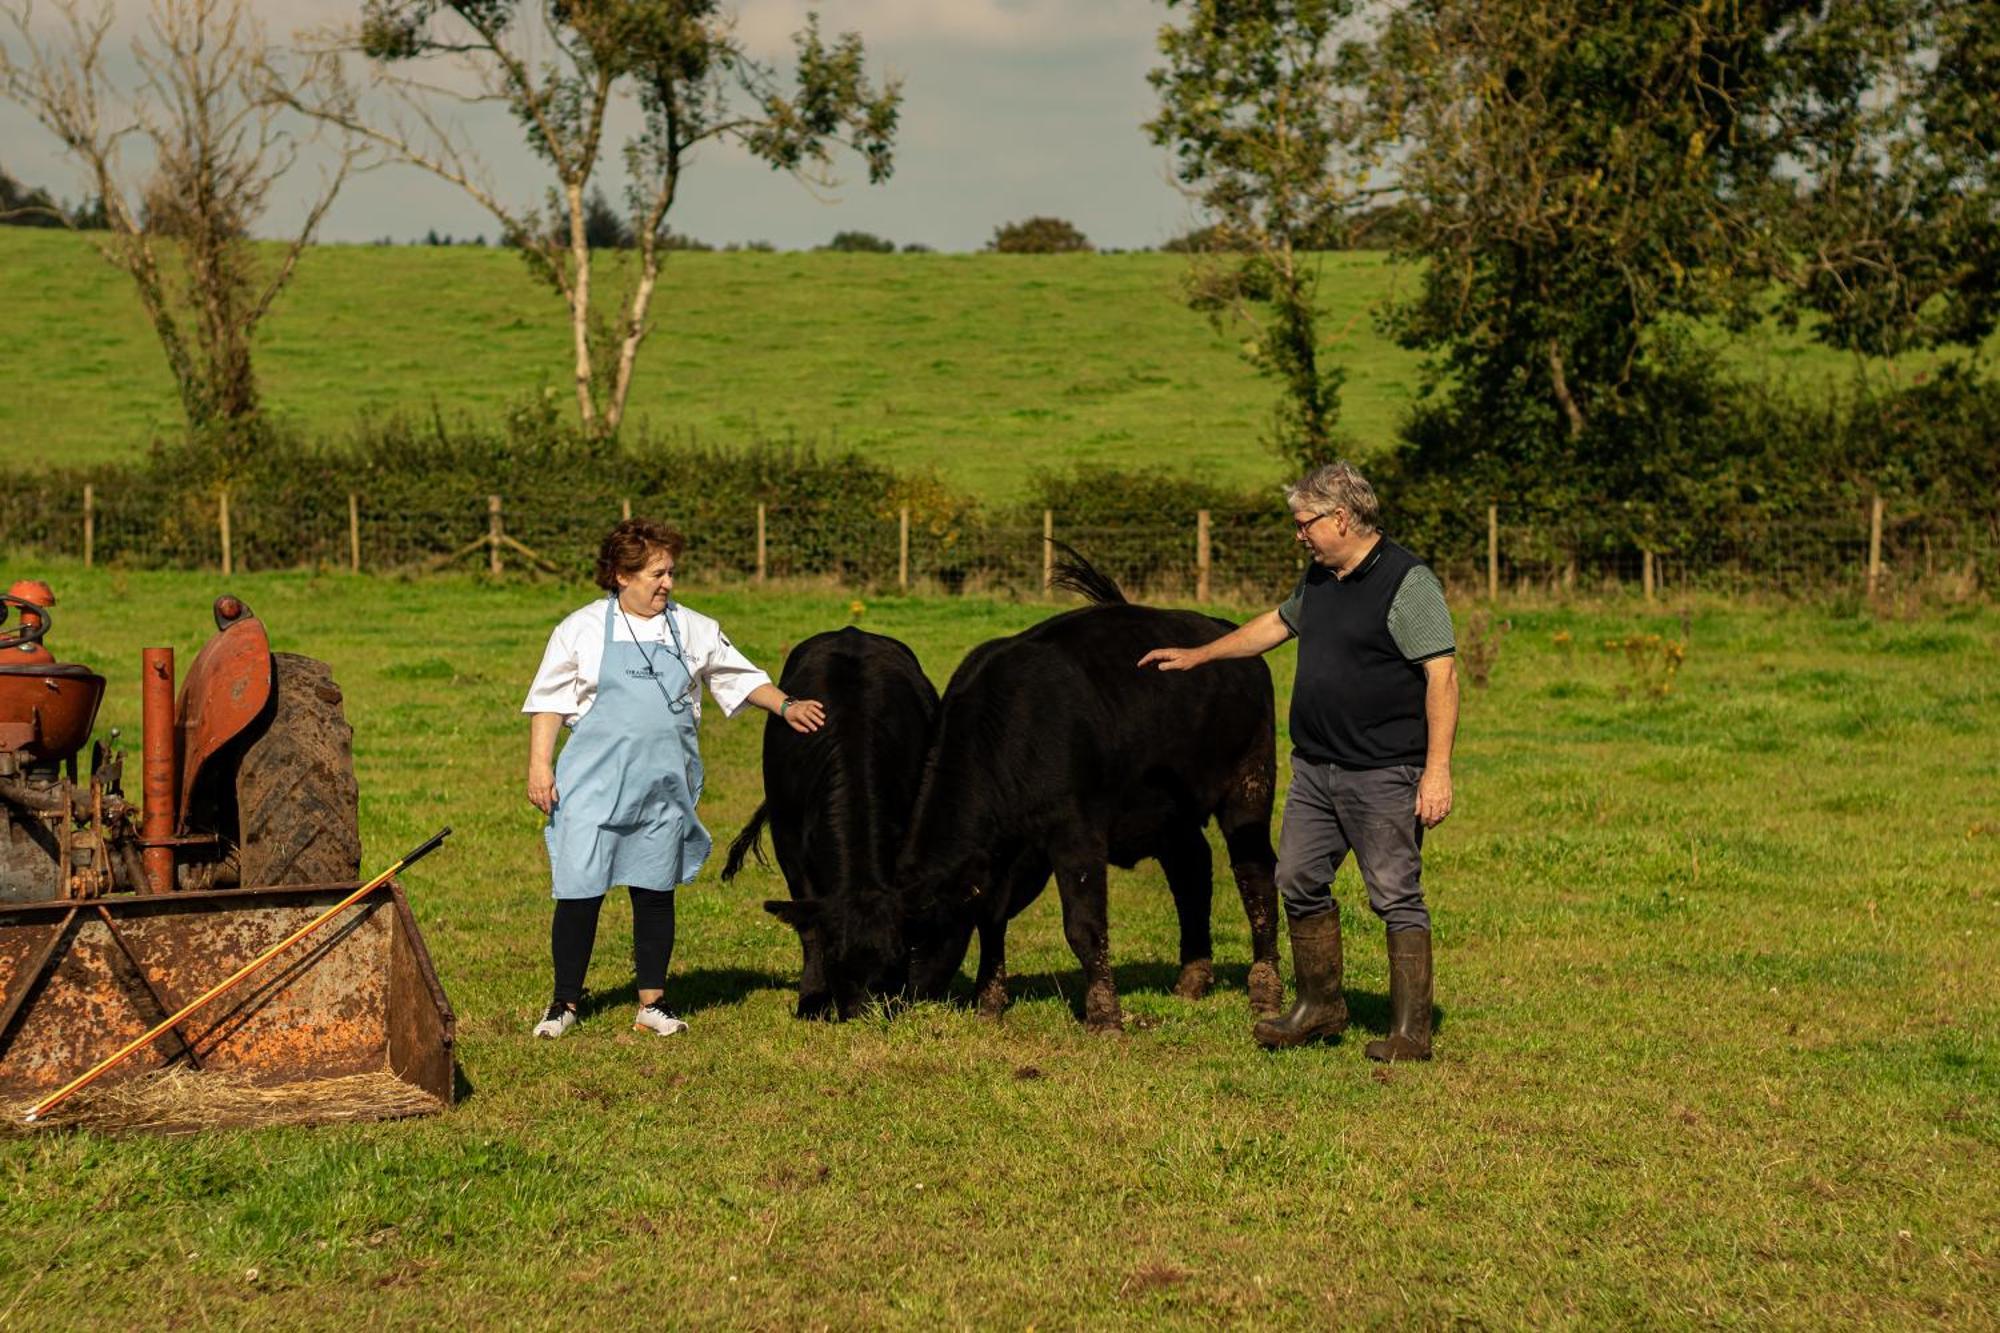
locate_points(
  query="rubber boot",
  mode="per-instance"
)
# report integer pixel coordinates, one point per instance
(1409, 999)
(1321, 1009)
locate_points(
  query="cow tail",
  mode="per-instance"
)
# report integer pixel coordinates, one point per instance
(747, 842)
(1078, 575)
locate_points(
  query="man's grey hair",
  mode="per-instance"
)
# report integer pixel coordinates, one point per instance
(1337, 486)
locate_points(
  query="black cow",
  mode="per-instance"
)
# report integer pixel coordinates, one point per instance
(1054, 753)
(838, 801)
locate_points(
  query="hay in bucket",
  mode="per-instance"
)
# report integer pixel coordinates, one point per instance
(180, 1100)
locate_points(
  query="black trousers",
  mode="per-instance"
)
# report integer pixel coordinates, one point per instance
(574, 931)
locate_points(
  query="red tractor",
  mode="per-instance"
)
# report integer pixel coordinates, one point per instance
(113, 914)
(247, 779)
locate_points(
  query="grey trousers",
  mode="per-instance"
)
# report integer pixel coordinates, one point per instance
(1373, 811)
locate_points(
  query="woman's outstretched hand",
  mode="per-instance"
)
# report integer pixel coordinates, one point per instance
(805, 715)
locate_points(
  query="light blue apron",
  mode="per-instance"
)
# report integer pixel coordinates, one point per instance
(629, 776)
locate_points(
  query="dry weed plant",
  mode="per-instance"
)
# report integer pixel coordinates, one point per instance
(1654, 663)
(1481, 650)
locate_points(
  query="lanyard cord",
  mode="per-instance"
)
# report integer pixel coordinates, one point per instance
(674, 705)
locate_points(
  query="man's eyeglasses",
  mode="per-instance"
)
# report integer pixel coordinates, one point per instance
(1302, 527)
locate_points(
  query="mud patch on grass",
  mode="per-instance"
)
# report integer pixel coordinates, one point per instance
(1152, 1277)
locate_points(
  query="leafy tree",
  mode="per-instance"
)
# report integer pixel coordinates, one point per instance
(1563, 155)
(1385, 226)
(91, 215)
(1203, 240)
(603, 227)
(1895, 106)
(205, 112)
(1254, 105)
(860, 242)
(560, 67)
(1585, 180)
(1038, 236)
(21, 206)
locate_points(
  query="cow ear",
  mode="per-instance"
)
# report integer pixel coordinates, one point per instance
(798, 915)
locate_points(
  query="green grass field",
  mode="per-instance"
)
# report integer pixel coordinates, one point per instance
(1719, 1033)
(983, 366)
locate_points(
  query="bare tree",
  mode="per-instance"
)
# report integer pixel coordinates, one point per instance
(184, 162)
(560, 69)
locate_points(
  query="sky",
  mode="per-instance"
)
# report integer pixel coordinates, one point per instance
(1011, 108)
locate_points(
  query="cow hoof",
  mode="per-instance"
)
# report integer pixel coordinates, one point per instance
(1100, 1011)
(1267, 990)
(992, 1000)
(1195, 979)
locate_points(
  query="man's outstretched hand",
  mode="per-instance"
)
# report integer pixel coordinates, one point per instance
(1174, 659)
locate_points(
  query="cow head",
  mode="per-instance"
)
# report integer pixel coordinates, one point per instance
(937, 913)
(860, 940)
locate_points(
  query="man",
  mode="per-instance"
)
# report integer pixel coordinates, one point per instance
(1374, 713)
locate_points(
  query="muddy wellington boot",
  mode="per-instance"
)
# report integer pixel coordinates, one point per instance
(1409, 999)
(1321, 1009)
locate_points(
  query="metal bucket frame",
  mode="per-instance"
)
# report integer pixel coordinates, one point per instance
(81, 977)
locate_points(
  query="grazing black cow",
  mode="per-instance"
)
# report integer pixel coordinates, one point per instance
(1053, 753)
(838, 801)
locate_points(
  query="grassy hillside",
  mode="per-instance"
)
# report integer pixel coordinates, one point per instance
(1717, 1044)
(985, 366)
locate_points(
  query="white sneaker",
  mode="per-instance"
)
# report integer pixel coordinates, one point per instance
(657, 1018)
(557, 1021)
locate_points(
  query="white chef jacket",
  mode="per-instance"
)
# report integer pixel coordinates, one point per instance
(566, 682)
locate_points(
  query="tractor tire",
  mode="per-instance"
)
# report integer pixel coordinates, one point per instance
(298, 819)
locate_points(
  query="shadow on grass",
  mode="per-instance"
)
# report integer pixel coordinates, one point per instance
(689, 993)
(1368, 1010)
(1155, 977)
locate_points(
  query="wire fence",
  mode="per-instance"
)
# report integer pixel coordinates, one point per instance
(1872, 549)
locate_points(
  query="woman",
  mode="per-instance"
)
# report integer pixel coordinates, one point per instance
(625, 674)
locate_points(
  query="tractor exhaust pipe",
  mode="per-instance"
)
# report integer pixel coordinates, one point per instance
(156, 829)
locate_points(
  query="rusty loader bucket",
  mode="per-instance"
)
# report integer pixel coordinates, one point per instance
(350, 1023)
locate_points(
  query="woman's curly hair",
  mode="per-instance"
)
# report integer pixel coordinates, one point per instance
(628, 547)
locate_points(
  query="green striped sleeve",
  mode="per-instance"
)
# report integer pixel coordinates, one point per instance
(1419, 621)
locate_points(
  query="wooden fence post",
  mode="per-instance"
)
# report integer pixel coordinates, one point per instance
(903, 549)
(89, 524)
(1646, 573)
(1201, 555)
(353, 533)
(493, 535)
(1875, 548)
(1048, 551)
(1493, 553)
(625, 507)
(761, 567)
(222, 526)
